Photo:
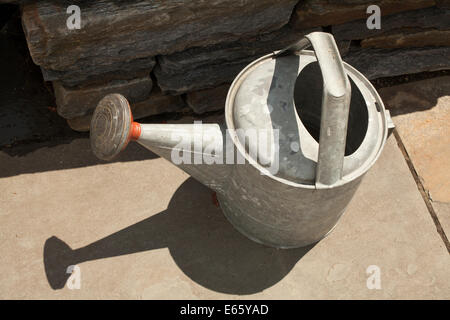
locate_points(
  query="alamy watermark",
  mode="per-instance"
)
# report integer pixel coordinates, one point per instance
(374, 20)
(206, 145)
(74, 20)
(374, 280)
(74, 281)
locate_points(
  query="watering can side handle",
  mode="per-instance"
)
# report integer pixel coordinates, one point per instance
(335, 105)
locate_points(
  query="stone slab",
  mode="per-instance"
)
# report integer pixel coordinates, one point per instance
(98, 72)
(156, 103)
(145, 230)
(313, 13)
(208, 67)
(379, 63)
(138, 29)
(208, 100)
(77, 102)
(424, 19)
(443, 3)
(404, 39)
(421, 113)
(442, 210)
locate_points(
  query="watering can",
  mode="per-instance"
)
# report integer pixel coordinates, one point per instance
(301, 129)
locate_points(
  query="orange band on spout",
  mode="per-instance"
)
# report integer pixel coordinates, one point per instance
(135, 131)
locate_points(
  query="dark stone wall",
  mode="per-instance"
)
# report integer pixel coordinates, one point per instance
(192, 49)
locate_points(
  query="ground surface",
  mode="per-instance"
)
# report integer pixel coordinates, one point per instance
(421, 112)
(142, 228)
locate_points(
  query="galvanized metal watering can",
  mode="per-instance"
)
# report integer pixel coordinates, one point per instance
(319, 126)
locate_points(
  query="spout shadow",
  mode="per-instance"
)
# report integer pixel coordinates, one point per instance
(201, 241)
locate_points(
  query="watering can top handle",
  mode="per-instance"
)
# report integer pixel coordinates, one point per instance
(335, 79)
(335, 105)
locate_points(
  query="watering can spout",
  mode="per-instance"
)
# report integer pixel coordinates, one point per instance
(195, 148)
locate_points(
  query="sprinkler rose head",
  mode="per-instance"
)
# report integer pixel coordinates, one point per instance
(111, 126)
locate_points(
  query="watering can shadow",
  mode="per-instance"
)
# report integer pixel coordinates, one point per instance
(203, 244)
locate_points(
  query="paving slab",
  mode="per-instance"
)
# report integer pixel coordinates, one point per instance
(146, 230)
(421, 113)
(442, 210)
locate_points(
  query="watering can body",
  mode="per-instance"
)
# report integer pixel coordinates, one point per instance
(320, 126)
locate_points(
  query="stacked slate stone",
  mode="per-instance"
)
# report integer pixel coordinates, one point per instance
(174, 56)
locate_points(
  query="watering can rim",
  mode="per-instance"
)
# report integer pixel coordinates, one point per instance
(230, 123)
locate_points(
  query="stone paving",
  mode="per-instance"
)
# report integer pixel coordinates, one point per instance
(144, 229)
(421, 112)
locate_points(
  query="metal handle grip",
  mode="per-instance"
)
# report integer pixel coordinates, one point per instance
(335, 105)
